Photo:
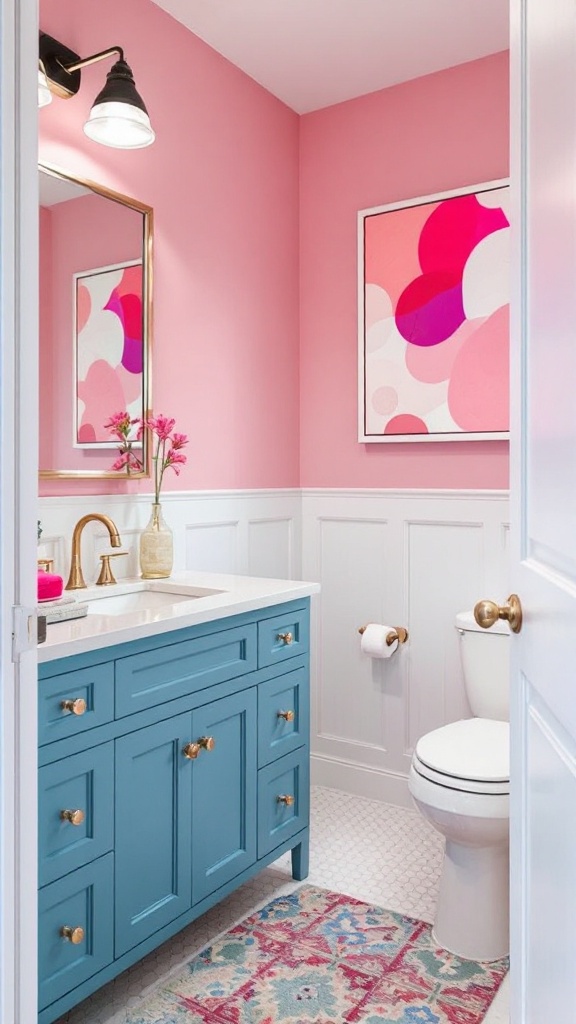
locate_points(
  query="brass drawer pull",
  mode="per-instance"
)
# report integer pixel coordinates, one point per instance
(77, 706)
(74, 817)
(73, 935)
(285, 799)
(191, 750)
(288, 716)
(286, 638)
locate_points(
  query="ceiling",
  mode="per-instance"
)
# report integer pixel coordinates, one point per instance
(313, 53)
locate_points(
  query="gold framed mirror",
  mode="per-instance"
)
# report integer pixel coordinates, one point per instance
(95, 326)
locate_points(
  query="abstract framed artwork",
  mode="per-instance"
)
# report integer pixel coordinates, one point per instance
(108, 350)
(433, 317)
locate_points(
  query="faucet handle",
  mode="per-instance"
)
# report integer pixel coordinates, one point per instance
(106, 577)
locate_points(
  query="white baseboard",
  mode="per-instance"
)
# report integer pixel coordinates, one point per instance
(386, 787)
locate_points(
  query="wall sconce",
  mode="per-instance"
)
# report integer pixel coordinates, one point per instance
(118, 117)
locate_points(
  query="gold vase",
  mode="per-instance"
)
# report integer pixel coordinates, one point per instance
(156, 547)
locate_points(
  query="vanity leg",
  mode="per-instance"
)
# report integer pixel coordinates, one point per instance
(300, 860)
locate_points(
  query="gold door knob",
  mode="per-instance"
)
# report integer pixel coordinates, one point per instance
(286, 638)
(77, 706)
(285, 799)
(207, 742)
(74, 817)
(288, 716)
(73, 935)
(487, 613)
(191, 751)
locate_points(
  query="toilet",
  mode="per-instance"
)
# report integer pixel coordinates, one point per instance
(460, 781)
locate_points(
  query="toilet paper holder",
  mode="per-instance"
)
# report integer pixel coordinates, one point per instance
(397, 633)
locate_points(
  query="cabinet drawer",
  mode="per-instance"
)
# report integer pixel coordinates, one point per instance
(283, 718)
(145, 680)
(81, 900)
(279, 819)
(92, 688)
(282, 637)
(83, 786)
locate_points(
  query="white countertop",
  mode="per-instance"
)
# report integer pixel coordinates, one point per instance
(237, 594)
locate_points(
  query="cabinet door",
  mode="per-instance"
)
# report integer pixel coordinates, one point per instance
(153, 856)
(224, 792)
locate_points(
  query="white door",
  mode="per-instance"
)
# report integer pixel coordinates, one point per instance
(18, 503)
(543, 485)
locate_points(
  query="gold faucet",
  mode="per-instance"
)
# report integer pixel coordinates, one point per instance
(76, 578)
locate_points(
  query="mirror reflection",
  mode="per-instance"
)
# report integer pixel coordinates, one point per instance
(95, 285)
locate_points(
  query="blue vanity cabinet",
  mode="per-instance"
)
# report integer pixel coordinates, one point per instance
(181, 762)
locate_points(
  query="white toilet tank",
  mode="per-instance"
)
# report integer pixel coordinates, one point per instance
(485, 656)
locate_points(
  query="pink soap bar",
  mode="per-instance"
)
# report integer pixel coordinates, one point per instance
(49, 585)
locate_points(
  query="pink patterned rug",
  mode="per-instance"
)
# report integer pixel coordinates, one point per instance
(318, 957)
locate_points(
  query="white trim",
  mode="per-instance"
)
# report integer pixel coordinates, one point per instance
(82, 500)
(401, 494)
(18, 498)
(360, 780)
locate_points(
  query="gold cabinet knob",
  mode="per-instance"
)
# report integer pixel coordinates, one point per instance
(288, 716)
(191, 750)
(73, 935)
(286, 638)
(74, 817)
(487, 613)
(76, 707)
(285, 799)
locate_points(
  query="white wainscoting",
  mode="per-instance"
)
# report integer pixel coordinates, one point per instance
(408, 558)
(404, 558)
(254, 533)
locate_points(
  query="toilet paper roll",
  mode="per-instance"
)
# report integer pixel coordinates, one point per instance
(373, 641)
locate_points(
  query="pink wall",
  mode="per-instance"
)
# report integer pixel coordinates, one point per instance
(435, 133)
(253, 208)
(222, 178)
(83, 233)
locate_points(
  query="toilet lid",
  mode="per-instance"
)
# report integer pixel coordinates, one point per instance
(475, 749)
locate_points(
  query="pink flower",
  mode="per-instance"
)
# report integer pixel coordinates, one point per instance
(178, 441)
(167, 448)
(175, 459)
(161, 425)
(120, 426)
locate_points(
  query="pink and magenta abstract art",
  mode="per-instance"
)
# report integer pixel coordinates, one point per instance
(109, 349)
(434, 317)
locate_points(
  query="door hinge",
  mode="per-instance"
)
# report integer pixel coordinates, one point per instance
(25, 630)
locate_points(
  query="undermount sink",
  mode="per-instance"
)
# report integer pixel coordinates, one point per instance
(143, 600)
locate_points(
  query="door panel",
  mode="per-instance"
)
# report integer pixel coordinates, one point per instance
(224, 794)
(153, 855)
(543, 482)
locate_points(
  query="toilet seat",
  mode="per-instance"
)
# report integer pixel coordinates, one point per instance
(471, 756)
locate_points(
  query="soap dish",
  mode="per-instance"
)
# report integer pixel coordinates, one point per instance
(63, 611)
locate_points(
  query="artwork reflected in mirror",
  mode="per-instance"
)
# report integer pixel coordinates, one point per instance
(95, 329)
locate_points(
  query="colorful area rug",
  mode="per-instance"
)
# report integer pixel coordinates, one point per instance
(317, 957)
